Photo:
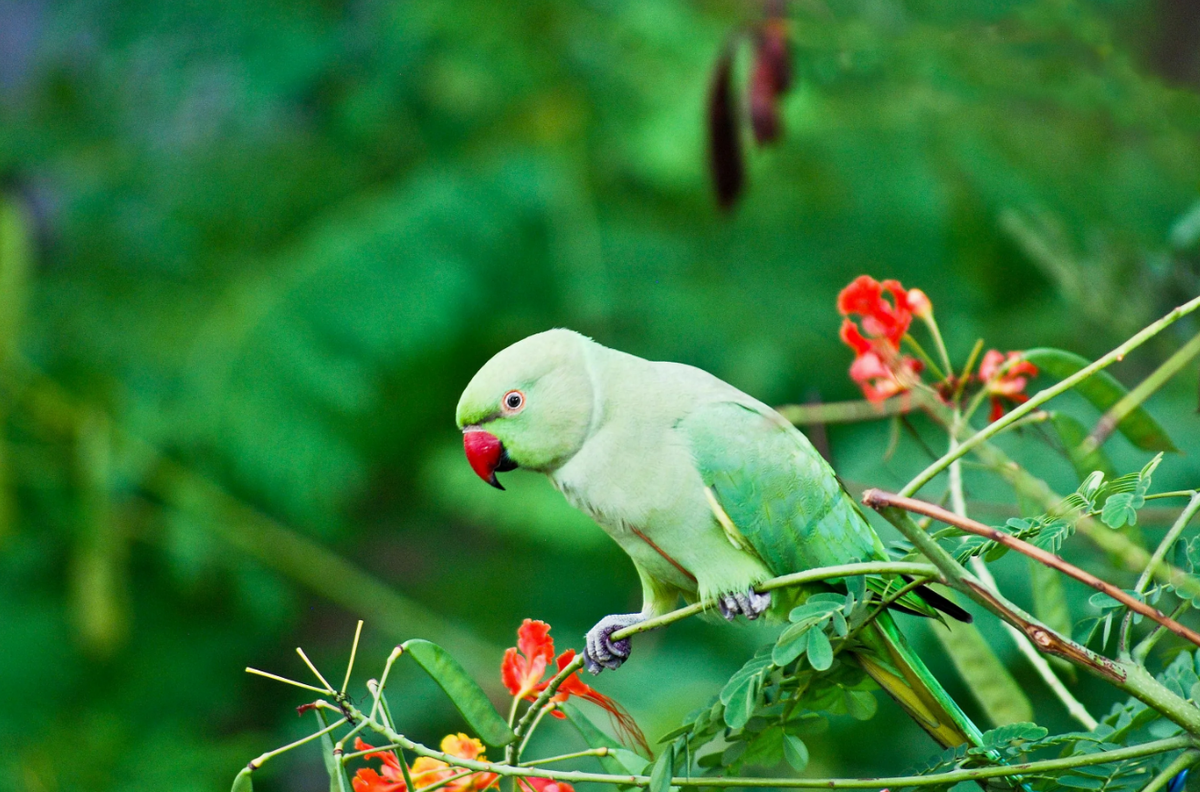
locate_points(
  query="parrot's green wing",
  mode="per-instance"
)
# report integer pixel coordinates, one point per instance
(784, 500)
(777, 490)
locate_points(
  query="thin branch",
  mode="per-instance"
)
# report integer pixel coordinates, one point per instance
(603, 750)
(1131, 400)
(1047, 394)
(353, 653)
(878, 498)
(1142, 650)
(313, 668)
(847, 411)
(285, 680)
(260, 761)
(512, 752)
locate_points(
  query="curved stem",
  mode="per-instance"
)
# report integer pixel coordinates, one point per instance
(1047, 394)
(951, 777)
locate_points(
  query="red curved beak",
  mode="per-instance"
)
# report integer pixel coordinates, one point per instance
(486, 455)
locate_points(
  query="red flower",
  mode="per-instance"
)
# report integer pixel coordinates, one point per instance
(878, 367)
(524, 667)
(1009, 385)
(425, 770)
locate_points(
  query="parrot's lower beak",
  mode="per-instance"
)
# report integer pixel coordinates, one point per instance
(486, 455)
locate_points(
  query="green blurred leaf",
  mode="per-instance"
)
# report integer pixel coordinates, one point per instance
(664, 768)
(1103, 391)
(795, 752)
(335, 769)
(619, 760)
(1072, 433)
(985, 676)
(464, 692)
(242, 782)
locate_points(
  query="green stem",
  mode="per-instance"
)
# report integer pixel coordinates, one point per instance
(1131, 400)
(784, 581)
(364, 752)
(847, 411)
(532, 728)
(934, 331)
(1047, 394)
(951, 777)
(377, 693)
(1142, 650)
(601, 751)
(1160, 552)
(260, 761)
(1172, 494)
(512, 752)
(934, 368)
(1182, 762)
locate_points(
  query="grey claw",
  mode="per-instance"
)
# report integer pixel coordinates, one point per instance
(748, 603)
(601, 651)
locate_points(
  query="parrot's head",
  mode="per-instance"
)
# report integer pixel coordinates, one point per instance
(530, 406)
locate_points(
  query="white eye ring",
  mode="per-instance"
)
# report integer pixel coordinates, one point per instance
(513, 401)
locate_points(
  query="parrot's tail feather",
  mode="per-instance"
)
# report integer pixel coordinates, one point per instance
(898, 670)
(888, 659)
(933, 599)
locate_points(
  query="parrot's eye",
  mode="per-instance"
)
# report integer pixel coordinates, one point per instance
(513, 401)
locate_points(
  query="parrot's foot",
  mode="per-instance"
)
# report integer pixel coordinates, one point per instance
(602, 651)
(747, 603)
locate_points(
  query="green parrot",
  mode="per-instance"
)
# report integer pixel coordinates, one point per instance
(707, 489)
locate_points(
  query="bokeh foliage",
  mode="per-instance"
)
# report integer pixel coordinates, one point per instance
(250, 253)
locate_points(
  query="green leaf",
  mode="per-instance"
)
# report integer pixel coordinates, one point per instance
(860, 704)
(985, 676)
(243, 783)
(1119, 510)
(766, 749)
(335, 769)
(1010, 734)
(620, 760)
(795, 752)
(820, 653)
(815, 610)
(464, 692)
(791, 644)
(1072, 433)
(664, 767)
(1050, 604)
(1103, 391)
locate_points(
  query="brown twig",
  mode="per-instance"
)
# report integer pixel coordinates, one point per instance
(877, 498)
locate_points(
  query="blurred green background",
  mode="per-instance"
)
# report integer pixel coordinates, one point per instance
(251, 252)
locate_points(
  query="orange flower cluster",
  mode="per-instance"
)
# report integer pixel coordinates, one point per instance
(879, 368)
(523, 672)
(425, 771)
